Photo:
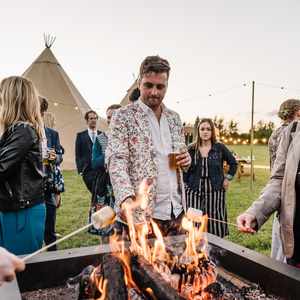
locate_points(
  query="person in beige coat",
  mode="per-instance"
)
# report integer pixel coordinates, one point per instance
(289, 111)
(281, 193)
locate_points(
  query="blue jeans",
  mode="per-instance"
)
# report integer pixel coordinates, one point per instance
(22, 232)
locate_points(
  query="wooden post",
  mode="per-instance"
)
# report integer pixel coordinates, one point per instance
(252, 137)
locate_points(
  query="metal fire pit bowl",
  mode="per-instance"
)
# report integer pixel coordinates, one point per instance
(52, 269)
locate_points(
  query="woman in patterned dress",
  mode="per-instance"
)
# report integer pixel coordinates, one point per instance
(205, 181)
(289, 111)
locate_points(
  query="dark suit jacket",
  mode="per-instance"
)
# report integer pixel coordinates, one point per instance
(54, 143)
(83, 151)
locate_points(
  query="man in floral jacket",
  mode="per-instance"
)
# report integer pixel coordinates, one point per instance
(142, 135)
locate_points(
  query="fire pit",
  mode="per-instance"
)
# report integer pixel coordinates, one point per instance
(239, 268)
(176, 268)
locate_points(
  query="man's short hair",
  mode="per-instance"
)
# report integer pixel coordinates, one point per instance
(154, 64)
(114, 106)
(43, 104)
(86, 116)
(135, 95)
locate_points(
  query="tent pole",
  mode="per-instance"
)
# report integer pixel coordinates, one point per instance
(252, 137)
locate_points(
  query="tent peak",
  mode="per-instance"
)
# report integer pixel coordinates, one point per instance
(49, 40)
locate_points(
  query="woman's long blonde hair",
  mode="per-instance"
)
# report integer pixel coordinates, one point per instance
(19, 102)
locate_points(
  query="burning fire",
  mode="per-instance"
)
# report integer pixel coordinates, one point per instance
(190, 273)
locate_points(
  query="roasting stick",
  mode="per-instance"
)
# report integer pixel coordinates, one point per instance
(26, 258)
(195, 215)
(103, 217)
(220, 221)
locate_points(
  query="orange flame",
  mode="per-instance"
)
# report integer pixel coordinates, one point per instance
(100, 283)
(189, 286)
(159, 250)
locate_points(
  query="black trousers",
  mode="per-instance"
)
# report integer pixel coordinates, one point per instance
(50, 236)
(89, 179)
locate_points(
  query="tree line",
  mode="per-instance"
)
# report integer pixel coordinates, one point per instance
(230, 132)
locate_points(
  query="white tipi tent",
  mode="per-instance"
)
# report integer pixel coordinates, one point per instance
(65, 101)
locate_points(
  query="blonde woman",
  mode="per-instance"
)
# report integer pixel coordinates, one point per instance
(22, 208)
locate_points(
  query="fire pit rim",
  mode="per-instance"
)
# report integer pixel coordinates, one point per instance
(270, 274)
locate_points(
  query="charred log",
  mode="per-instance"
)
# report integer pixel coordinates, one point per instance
(114, 274)
(86, 287)
(91, 280)
(147, 278)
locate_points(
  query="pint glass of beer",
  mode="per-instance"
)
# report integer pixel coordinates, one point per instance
(173, 160)
(180, 148)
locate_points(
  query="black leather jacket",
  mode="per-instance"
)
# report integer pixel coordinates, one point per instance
(21, 172)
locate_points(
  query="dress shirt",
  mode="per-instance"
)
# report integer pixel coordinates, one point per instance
(92, 134)
(168, 197)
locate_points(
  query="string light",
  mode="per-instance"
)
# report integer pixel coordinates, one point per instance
(264, 140)
(238, 141)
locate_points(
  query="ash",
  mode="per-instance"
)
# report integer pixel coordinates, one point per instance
(231, 292)
(57, 293)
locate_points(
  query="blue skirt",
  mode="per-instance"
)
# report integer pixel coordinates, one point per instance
(22, 232)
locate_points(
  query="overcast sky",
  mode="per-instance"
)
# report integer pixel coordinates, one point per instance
(214, 47)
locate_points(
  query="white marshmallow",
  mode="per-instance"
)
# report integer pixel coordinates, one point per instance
(103, 217)
(194, 214)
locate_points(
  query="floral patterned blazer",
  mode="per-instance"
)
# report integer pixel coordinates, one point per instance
(130, 154)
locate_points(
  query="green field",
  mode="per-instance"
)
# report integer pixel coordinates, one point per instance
(76, 200)
(260, 153)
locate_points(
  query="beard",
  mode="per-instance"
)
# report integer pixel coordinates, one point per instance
(153, 102)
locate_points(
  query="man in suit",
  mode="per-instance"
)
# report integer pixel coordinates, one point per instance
(141, 137)
(83, 149)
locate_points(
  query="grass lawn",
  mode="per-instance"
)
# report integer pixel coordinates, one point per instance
(74, 210)
(260, 153)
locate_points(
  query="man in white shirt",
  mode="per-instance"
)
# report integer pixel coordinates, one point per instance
(83, 149)
(142, 136)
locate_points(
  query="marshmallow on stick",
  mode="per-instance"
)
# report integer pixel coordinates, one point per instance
(194, 215)
(103, 217)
